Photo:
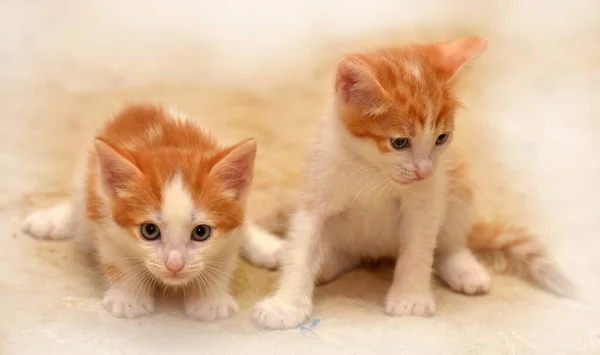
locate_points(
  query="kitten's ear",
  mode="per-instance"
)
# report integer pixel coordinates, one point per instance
(450, 57)
(355, 83)
(115, 169)
(236, 169)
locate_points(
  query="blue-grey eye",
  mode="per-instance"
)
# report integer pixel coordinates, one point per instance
(201, 233)
(399, 143)
(150, 231)
(442, 138)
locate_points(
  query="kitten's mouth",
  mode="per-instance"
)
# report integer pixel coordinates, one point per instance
(171, 279)
(175, 279)
(405, 181)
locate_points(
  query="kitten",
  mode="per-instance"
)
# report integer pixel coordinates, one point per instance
(383, 182)
(161, 203)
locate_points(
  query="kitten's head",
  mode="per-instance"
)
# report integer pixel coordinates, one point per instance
(400, 105)
(177, 207)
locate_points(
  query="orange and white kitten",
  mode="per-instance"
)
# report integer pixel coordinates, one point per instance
(383, 182)
(161, 203)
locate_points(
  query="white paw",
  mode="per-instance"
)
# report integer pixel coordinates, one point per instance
(209, 309)
(463, 273)
(262, 248)
(277, 313)
(124, 304)
(52, 223)
(410, 304)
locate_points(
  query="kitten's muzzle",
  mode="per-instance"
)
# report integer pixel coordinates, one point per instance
(174, 262)
(423, 169)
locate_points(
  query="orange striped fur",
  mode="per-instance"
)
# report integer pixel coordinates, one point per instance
(161, 147)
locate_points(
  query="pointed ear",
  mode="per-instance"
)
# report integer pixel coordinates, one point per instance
(236, 169)
(355, 83)
(116, 170)
(450, 57)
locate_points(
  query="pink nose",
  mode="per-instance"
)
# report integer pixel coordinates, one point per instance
(423, 169)
(174, 262)
(174, 266)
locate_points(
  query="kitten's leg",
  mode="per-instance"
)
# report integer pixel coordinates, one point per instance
(262, 248)
(410, 293)
(292, 302)
(52, 223)
(130, 293)
(334, 265)
(455, 263)
(209, 299)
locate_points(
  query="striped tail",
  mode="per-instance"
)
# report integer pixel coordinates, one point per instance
(513, 249)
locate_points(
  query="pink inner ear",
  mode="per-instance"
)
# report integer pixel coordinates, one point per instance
(236, 169)
(116, 171)
(114, 175)
(354, 83)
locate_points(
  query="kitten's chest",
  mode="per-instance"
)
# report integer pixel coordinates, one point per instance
(371, 229)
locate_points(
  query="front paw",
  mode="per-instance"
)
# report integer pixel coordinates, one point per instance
(124, 304)
(419, 304)
(209, 309)
(279, 313)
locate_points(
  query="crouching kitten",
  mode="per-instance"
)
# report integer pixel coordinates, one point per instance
(162, 203)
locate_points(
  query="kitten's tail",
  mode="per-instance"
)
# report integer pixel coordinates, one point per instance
(512, 248)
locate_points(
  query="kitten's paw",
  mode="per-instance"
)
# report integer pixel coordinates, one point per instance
(262, 248)
(463, 273)
(51, 223)
(410, 304)
(278, 313)
(124, 304)
(209, 309)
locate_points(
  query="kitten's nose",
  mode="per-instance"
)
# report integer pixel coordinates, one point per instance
(174, 262)
(424, 168)
(174, 267)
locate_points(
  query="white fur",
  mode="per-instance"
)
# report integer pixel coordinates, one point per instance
(177, 204)
(262, 248)
(121, 302)
(52, 223)
(359, 212)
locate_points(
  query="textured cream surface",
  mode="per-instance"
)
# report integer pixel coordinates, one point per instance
(264, 69)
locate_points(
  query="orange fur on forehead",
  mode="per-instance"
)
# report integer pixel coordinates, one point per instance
(400, 91)
(160, 148)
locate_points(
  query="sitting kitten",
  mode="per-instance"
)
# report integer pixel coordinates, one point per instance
(162, 203)
(383, 182)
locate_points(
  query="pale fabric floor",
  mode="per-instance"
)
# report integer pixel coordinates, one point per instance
(264, 69)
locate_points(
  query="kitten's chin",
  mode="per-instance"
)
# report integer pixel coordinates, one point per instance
(174, 280)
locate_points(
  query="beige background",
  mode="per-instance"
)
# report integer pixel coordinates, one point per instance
(264, 69)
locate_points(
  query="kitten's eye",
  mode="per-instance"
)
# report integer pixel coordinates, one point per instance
(150, 231)
(201, 233)
(442, 138)
(399, 143)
